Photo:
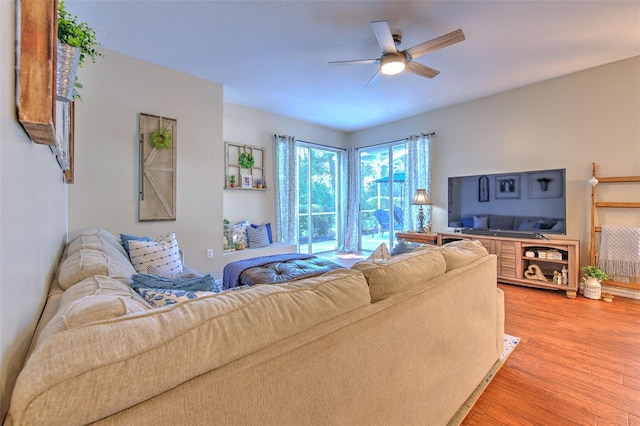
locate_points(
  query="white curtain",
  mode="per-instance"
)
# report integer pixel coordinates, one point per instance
(286, 189)
(417, 176)
(350, 200)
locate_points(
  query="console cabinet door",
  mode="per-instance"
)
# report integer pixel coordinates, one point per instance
(507, 252)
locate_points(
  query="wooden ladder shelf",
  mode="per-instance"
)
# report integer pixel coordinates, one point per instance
(595, 228)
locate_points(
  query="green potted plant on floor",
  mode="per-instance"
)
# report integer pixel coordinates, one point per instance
(77, 41)
(593, 276)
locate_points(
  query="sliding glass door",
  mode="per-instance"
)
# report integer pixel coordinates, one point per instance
(318, 177)
(382, 193)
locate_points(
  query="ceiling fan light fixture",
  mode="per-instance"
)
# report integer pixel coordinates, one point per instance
(392, 64)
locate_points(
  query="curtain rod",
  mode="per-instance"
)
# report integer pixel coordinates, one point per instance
(429, 134)
(313, 143)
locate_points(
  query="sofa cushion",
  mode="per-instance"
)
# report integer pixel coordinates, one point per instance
(163, 254)
(389, 277)
(163, 348)
(93, 299)
(86, 263)
(94, 239)
(462, 252)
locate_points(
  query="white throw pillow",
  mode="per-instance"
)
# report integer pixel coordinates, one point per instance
(380, 253)
(163, 254)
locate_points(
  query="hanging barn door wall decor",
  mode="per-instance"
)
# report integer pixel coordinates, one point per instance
(157, 174)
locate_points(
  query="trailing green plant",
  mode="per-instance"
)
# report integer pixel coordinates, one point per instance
(161, 139)
(77, 34)
(595, 272)
(246, 160)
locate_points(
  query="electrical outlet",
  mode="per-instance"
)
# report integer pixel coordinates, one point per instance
(209, 253)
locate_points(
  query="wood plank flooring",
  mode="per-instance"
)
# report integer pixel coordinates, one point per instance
(578, 363)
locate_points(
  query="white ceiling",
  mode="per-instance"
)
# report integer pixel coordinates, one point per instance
(273, 55)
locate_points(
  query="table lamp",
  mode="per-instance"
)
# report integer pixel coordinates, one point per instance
(421, 199)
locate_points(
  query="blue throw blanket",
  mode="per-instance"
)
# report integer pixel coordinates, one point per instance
(202, 282)
(231, 272)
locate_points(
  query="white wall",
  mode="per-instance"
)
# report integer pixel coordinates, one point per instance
(116, 90)
(568, 122)
(105, 193)
(33, 220)
(253, 127)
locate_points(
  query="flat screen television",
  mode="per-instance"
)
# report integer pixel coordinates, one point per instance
(519, 204)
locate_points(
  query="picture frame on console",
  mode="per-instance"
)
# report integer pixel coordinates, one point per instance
(507, 186)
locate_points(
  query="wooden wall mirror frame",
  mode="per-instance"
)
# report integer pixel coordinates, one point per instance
(36, 68)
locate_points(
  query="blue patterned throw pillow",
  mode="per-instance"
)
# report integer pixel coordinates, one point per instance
(258, 237)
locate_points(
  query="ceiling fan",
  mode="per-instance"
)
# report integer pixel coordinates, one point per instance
(394, 61)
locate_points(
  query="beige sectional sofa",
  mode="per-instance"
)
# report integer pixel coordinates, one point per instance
(312, 352)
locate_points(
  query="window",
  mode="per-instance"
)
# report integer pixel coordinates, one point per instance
(318, 191)
(382, 194)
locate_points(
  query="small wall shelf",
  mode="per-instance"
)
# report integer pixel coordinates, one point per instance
(232, 168)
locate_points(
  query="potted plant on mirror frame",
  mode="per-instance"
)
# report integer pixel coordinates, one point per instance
(76, 42)
(593, 276)
(261, 183)
(232, 181)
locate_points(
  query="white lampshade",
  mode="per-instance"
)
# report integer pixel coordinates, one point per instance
(392, 63)
(421, 198)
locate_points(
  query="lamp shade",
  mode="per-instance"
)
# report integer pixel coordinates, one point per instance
(421, 198)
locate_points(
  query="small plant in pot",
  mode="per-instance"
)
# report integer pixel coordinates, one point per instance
(77, 41)
(232, 181)
(591, 281)
(261, 183)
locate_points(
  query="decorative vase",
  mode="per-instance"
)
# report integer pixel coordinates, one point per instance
(66, 69)
(592, 288)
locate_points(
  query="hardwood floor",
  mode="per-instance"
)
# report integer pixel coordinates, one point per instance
(578, 363)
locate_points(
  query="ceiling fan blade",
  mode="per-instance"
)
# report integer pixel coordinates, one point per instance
(355, 62)
(384, 36)
(421, 70)
(374, 79)
(435, 44)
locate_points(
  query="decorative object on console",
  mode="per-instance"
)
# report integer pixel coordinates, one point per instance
(261, 183)
(421, 199)
(534, 272)
(232, 181)
(76, 42)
